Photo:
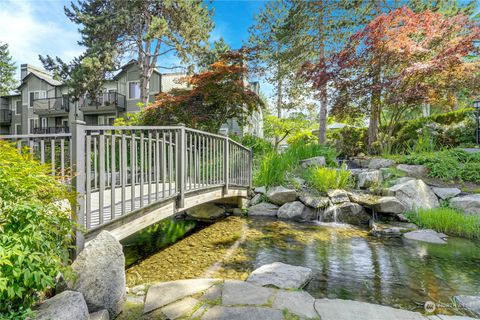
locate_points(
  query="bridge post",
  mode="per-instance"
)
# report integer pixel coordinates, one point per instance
(226, 164)
(250, 168)
(78, 155)
(181, 163)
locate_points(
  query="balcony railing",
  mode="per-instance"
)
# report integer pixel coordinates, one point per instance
(106, 99)
(5, 116)
(56, 104)
(51, 130)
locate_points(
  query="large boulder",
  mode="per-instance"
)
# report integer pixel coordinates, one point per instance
(378, 163)
(426, 235)
(389, 205)
(315, 161)
(100, 274)
(257, 198)
(66, 305)
(263, 209)
(446, 193)
(281, 275)
(281, 195)
(368, 179)
(338, 196)
(296, 210)
(469, 204)
(261, 190)
(413, 170)
(207, 211)
(315, 202)
(414, 194)
(364, 199)
(347, 212)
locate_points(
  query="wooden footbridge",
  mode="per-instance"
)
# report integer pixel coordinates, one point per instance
(128, 178)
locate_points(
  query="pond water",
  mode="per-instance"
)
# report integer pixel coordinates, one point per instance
(347, 262)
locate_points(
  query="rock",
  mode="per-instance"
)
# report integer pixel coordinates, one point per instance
(237, 292)
(471, 303)
(281, 195)
(299, 303)
(378, 163)
(361, 162)
(446, 193)
(296, 210)
(261, 190)
(415, 194)
(389, 205)
(281, 275)
(338, 196)
(242, 313)
(207, 211)
(263, 209)
(213, 293)
(298, 181)
(256, 199)
(363, 199)
(66, 305)
(100, 270)
(469, 204)
(164, 293)
(426, 235)
(315, 161)
(237, 212)
(337, 309)
(347, 212)
(445, 317)
(138, 289)
(403, 179)
(413, 170)
(368, 179)
(100, 315)
(180, 309)
(314, 201)
(402, 218)
(392, 230)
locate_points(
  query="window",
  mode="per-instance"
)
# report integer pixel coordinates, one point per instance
(33, 95)
(44, 122)
(18, 128)
(110, 121)
(101, 120)
(32, 124)
(133, 90)
(18, 107)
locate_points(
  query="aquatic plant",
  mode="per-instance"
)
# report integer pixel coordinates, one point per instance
(323, 179)
(447, 220)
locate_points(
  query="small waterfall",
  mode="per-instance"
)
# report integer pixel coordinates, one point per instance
(335, 214)
(319, 213)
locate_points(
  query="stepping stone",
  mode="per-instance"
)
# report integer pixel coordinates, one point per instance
(471, 303)
(300, 303)
(337, 309)
(236, 292)
(213, 293)
(242, 313)
(180, 308)
(281, 275)
(426, 235)
(164, 293)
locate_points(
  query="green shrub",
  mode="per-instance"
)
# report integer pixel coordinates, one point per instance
(323, 179)
(259, 146)
(349, 141)
(448, 221)
(35, 231)
(447, 165)
(273, 167)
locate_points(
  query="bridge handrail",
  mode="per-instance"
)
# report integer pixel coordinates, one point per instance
(120, 169)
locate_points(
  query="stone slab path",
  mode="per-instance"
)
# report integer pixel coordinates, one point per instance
(216, 299)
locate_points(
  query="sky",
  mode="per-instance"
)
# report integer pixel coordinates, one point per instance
(33, 27)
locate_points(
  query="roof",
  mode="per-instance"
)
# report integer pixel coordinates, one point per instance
(126, 66)
(43, 77)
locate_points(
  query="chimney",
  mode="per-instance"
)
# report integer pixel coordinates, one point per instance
(23, 71)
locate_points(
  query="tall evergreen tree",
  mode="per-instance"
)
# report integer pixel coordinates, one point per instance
(7, 71)
(113, 30)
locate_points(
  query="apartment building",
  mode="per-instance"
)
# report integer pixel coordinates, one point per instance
(42, 104)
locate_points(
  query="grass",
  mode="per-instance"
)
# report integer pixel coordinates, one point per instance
(323, 179)
(273, 167)
(448, 221)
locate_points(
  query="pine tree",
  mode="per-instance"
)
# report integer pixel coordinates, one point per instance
(7, 71)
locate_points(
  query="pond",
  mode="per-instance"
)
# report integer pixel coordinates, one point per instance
(347, 262)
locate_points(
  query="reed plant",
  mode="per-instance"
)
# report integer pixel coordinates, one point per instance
(323, 179)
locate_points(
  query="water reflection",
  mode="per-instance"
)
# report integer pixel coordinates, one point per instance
(350, 264)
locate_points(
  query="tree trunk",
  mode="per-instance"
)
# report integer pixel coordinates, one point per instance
(279, 104)
(375, 101)
(322, 124)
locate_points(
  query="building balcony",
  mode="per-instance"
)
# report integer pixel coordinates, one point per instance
(50, 130)
(5, 116)
(105, 102)
(51, 106)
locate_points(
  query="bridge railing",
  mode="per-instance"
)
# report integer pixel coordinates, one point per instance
(118, 170)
